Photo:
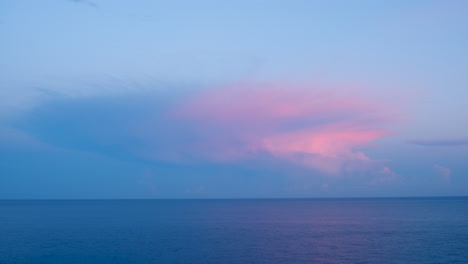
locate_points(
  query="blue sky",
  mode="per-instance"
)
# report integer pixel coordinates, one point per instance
(210, 99)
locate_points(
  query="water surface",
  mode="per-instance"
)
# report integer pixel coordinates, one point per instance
(410, 230)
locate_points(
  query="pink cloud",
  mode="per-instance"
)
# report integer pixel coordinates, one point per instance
(314, 127)
(249, 104)
(325, 147)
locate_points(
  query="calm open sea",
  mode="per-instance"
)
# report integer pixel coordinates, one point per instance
(406, 230)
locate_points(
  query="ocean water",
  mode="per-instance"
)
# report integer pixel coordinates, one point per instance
(417, 230)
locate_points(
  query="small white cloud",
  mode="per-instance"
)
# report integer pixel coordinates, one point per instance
(442, 172)
(385, 175)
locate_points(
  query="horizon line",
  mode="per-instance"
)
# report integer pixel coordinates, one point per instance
(240, 198)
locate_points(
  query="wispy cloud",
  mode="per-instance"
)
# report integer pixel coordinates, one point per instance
(439, 142)
(87, 2)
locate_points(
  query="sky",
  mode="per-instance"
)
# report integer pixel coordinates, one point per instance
(113, 99)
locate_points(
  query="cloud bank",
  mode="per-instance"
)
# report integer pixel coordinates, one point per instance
(322, 129)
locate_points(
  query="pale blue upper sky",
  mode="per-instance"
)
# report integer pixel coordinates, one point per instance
(89, 90)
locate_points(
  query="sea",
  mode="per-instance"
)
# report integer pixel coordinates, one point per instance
(237, 231)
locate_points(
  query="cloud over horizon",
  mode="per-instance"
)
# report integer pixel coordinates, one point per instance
(323, 129)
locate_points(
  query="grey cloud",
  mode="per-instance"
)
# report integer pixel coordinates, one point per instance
(439, 142)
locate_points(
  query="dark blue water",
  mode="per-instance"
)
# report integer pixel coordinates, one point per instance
(235, 231)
